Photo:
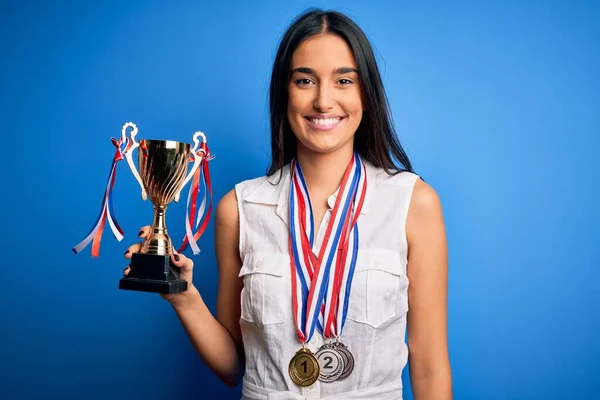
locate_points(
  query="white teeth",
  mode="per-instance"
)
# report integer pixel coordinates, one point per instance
(325, 121)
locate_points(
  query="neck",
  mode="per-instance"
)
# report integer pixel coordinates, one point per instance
(324, 172)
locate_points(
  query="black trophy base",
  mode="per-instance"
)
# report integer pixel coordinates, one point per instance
(153, 273)
(153, 286)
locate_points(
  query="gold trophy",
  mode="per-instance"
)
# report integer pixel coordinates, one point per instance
(163, 173)
(163, 165)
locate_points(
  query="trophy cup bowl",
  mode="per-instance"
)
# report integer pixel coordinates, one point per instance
(163, 168)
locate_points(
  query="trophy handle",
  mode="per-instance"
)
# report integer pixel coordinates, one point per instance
(197, 160)
(132, 145)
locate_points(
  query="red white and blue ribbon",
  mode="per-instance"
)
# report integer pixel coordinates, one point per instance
(198, 217)
(321, 284)
(337, 312)
(106, 210)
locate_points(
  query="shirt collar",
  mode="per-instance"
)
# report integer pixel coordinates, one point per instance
(275, 190)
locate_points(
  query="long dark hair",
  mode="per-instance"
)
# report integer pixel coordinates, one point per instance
(375, 139)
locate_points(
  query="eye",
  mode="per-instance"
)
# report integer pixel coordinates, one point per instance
(303, 81)
(345, 81)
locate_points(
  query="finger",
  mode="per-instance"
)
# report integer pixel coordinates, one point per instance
(126, 271)
(181, 261)
(144, 231)
(133, 249)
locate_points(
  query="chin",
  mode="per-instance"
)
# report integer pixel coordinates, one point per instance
(326, 147)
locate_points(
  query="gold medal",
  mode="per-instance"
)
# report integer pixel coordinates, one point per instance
(304, 368)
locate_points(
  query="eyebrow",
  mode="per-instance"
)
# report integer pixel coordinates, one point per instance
(310, 71)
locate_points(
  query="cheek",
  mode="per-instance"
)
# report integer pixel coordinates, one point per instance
(294, 106)
(356, 102)
(354, 107)
(296, 96)
(294, 117)
(356, 112)
(294, 120)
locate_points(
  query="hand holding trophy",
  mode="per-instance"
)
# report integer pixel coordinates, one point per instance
(163, 173)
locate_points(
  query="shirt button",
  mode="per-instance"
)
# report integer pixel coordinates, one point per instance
(331, 201)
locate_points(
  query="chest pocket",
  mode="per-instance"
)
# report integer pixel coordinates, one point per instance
(266, 279)
(379, 287)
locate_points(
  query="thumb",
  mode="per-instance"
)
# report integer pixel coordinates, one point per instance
(185, 264)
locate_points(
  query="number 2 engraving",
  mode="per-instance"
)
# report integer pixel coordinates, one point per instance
(329, 360)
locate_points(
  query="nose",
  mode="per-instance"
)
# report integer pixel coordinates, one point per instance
(323, 101)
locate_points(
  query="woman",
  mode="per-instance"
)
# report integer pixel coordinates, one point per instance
(316, 257)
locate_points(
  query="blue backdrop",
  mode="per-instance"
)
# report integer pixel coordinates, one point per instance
(497, 104)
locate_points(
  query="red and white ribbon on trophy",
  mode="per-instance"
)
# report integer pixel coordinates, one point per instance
(124, 148)
(201, 184)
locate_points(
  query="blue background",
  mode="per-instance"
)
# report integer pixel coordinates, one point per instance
(497, 104)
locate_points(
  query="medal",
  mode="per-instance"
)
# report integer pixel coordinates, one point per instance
(331, 363)
(304, 368)
(348, 360)
(321, 283)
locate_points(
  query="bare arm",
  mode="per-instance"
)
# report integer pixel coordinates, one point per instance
(430, 371)
(217, 340)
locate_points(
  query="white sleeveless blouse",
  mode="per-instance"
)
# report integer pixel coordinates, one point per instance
(376, 323)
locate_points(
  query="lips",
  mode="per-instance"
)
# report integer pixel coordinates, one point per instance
(324, 123)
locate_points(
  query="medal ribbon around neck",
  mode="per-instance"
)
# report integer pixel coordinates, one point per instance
(318, 282)
(344, 272)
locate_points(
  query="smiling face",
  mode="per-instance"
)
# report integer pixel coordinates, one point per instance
(325, 106)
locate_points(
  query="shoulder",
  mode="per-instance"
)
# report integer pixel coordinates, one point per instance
(227, 212)
(262, 188)
(425, 199)
(228, 208)
(425, 215)
(400, 179)
(392, 179)
(226, 215)
(246, 187)
(397, 186)
(422, 196)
